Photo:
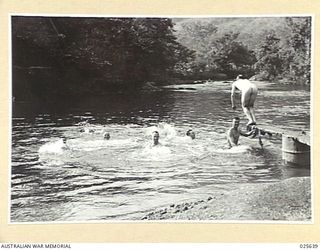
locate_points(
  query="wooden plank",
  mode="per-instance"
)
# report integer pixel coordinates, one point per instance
(302, 136)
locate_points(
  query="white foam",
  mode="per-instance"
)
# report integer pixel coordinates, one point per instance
(91, 145)
(167, 132)
(56, 147)
(158, 152)
(235, 150)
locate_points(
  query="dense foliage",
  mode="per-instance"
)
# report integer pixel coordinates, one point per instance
(80, 55)
(68, 55)
(274, 49)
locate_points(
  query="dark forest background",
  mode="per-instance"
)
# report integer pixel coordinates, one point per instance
(68, 56)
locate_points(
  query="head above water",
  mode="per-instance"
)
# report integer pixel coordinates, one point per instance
(155, 137)
(106, 136)
(235, 122)
(191, 134)
(64, 140)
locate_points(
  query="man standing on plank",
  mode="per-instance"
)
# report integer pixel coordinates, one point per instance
(249, 93)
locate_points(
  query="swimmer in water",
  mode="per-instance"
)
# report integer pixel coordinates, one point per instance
(64, 142)
(87, 130)
(106, 136)
(83, 123)
(234, 133)
(191, 134)
(155, 138)
(249, 93)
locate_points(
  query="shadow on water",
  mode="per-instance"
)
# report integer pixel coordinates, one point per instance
(109, 108)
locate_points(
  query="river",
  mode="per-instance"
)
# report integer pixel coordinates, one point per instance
(123, 178)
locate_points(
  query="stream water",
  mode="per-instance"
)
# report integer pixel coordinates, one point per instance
(92, 179)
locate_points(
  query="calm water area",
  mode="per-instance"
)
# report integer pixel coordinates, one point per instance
(123, 178)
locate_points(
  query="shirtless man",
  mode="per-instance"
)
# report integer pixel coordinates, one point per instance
(191, 134)
(64, 143)
(249, 93)
(234, 133)
(106, 136)
(155, 138)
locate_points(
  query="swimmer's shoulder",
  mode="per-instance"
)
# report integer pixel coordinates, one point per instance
(230, 130)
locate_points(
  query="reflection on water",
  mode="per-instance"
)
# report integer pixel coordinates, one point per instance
(90, 178)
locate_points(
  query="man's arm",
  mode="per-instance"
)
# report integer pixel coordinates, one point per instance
(233, 91)
(252, 133)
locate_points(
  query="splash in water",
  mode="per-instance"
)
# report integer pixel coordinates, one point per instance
(55, 147)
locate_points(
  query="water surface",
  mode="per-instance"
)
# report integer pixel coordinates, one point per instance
(93, 179)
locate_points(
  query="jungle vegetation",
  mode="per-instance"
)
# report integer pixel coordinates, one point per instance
(77, 55)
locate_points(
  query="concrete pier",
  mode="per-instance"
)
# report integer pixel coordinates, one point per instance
(295, 145)
(295, 152)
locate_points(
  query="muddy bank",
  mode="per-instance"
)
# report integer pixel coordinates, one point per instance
(288, 200)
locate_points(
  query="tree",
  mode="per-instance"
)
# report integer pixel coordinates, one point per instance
(216, 51)
(198, 37)
(95, 54)
(299, 55)
(232, 57)
(269, 62)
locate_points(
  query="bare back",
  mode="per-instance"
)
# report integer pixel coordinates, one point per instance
(248, 91)
(243, 85)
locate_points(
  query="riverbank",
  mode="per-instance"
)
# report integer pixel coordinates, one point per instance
(287, 200)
